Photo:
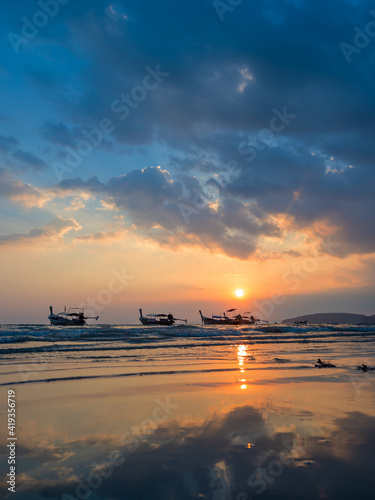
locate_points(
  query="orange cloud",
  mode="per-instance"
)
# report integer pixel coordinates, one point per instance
(45, 235)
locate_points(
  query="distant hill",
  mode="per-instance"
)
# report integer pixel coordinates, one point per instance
(343, 318)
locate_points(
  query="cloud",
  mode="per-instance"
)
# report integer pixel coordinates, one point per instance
(18, 191)
(102, 237)
(220, 94)
(177, 213)
(29, 159)
(47, 487)
(9, 146)
(290, 181)
(276, 51)
(76, 204)
(234, 216)
(48, 234)
(7, 143)
(57, 133)
(225, 81)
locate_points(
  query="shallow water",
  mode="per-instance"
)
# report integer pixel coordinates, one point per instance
(112, 412)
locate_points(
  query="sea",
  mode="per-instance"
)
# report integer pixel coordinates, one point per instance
(189, 411)
(348, 345)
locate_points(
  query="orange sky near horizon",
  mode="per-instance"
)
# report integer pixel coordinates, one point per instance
(114, 280)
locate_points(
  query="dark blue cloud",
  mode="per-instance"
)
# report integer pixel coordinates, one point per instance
(29, 159)
(7, 143)
(224, 80)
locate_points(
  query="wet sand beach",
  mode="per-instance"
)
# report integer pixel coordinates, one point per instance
(190, 412)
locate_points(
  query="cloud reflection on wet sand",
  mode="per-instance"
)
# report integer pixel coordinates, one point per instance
(236, 455)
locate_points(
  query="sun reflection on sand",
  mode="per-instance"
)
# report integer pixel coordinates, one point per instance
(241, 354)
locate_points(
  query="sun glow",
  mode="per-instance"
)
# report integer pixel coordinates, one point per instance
(239, 292)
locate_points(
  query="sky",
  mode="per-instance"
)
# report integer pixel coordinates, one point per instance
(165, 154)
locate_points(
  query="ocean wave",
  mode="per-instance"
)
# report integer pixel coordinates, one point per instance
(132, 335)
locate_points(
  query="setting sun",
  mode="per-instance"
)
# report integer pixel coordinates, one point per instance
(239, 292)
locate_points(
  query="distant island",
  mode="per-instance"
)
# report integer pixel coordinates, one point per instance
(341, 318)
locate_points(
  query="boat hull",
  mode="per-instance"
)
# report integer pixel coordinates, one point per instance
(61, 321)
(156, 322)
(211, 321)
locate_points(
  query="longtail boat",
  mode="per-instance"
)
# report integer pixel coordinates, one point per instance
(158, 319)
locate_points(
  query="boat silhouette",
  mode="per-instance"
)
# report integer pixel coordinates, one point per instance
(158, 319)
(74, 317)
